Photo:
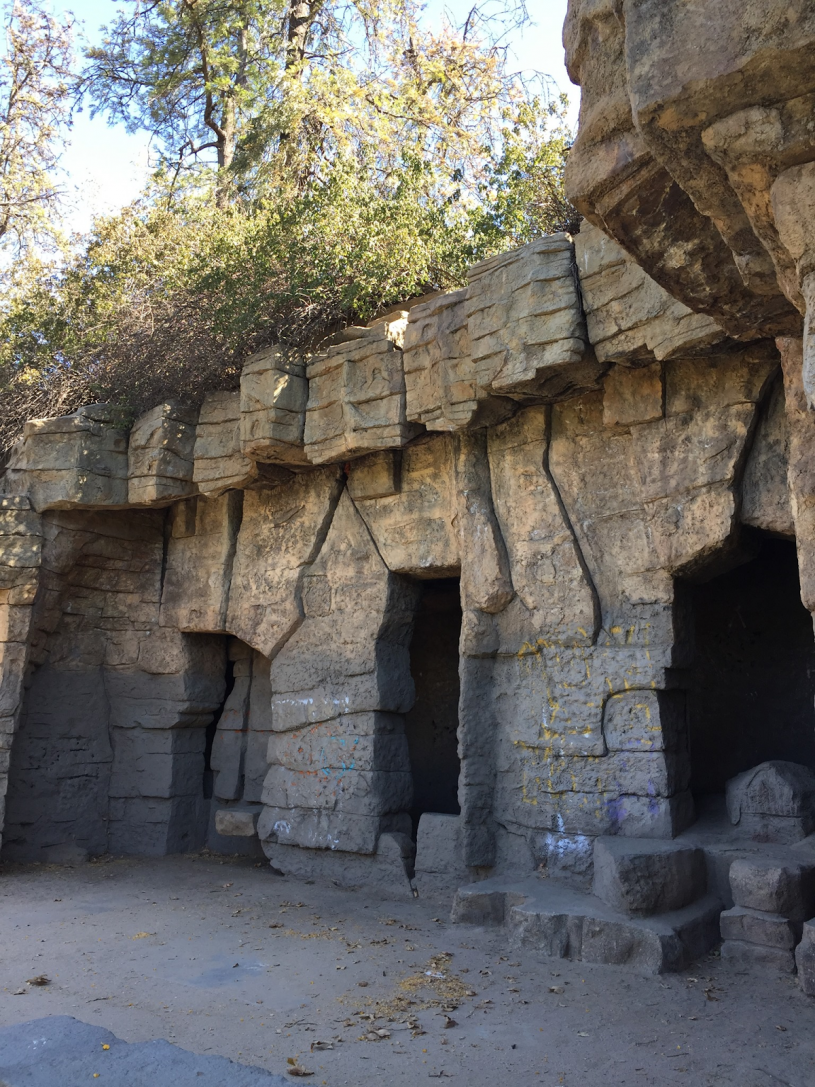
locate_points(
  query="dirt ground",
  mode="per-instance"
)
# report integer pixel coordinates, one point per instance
(225, 957)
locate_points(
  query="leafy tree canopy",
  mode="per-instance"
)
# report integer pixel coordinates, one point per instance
(318, 162)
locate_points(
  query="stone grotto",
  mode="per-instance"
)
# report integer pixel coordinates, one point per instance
(502, 599)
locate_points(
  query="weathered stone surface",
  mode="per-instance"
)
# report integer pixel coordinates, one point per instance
(800, 465)
(646, 877)
(774, 887)
(160, 455)
(219, 463)
(378, 475)
(386, 869)
(526, 328)
(644, 167)
(333, 670)
(544, 916)
(356, 398)
(644, 720)
(281, 532)
(629, 317)
(746, 956)
(644, 500)
(774, 802)
(273, 398)
(233, 823)
(441, 385)
(414, 528)
(756, 927)
(805, 958)
(765, 502)
(73, 462)
(201, 550)
(555, 599)
(440, 868)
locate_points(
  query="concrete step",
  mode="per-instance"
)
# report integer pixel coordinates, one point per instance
(546, 916)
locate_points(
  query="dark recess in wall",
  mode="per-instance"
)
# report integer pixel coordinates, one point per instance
(751, 692)
(431, 726)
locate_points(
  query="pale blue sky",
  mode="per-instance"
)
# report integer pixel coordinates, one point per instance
(106, 167)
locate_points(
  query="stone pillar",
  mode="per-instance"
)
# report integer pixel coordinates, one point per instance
(20, 555)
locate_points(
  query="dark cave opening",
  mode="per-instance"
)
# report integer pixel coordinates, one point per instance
(431, 725)
(751, 691)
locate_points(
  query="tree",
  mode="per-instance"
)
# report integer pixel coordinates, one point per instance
(35, 99)
(276, 90)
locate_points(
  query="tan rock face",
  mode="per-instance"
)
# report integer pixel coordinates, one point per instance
(281, 532)
(690, 111)
(219, 463)
(356, 399)
(160, 455)
(274, 393)
(74, 462)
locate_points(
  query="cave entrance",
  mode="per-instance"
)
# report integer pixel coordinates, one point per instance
(751, 695)
(431, 726)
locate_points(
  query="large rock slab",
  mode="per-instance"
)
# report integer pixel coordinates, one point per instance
(773, 802)
(281, 532)
(160, 455)
(75, 461)
(273, 398)
(629, 316)
(356, 398)
(647, 877)
(774, 887)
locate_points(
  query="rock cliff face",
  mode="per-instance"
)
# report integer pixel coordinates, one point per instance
(207, 626)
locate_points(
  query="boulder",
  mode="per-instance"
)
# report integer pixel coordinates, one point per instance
(773, 802)
(787, 889)
(645, 877)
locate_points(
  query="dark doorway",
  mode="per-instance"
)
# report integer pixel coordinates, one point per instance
(432, 725)
(751, 694)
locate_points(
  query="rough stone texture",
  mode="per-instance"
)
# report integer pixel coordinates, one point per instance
(273, 397)
(200, 553)
(775, 888)
(765, 493)
(74, 462)
(160, 455)
(414, 528)
(356, 394)
(220, 463)
(338, 696)
(757, 927)
(526, 328)
(774, 802)
(232, 823)
(440, 868)
(281, 532)
(386, 869)
(546, 917)
(801, 464)
(629, 317)
(747, 956)
(644, 877)
(805, 958)
(657, 79)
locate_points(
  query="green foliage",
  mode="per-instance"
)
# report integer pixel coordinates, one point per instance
(35, 97)
(348, 190)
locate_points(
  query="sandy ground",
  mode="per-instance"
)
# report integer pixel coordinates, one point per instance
(225, 957)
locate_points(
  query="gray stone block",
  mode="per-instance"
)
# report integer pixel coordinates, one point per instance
(386, 869)
(773, 802)
(805, 958)
(233, 823)
(440, 867)
(744, 956)
(774, 887)
(755, 927)
(647, 877)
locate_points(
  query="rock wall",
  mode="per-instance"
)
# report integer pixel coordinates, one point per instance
(207, 624)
